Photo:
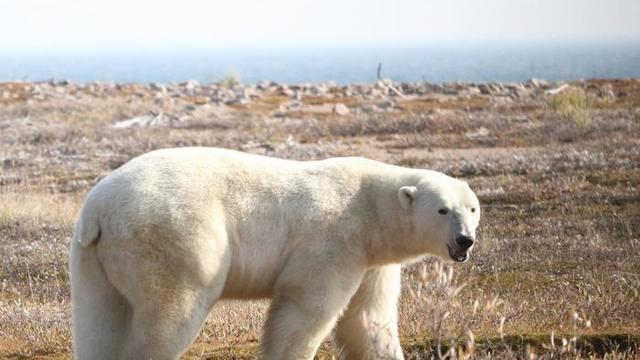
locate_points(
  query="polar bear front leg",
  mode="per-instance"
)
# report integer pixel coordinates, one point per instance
(369, 327)
(308, 298)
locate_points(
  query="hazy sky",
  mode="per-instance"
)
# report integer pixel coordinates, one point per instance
(91, 24)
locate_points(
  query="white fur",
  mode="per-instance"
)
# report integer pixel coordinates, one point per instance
(161, 239)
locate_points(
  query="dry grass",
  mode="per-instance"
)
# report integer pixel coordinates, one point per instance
(560, 234)
(475, 103)
(36, 208)
(572, 105)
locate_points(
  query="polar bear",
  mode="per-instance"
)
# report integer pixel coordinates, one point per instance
(166, 235)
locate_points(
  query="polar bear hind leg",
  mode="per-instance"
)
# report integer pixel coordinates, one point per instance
(369, 328)
(171, 298)
(99, 312)
(164, 330)
(128, 306)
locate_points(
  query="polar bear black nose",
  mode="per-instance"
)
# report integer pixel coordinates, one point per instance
(464, 241)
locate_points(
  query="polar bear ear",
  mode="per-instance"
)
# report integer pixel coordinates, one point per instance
(407, 194)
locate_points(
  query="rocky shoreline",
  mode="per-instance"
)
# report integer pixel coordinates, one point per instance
(176, 100)
(230, 92)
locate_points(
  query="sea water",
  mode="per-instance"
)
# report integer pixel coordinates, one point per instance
(359, 64)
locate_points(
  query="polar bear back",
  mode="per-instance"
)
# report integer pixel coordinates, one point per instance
(253, 208)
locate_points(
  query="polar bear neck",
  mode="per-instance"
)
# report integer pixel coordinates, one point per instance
(392, 236)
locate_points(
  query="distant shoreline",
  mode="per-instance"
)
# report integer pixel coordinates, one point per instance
(236, 82)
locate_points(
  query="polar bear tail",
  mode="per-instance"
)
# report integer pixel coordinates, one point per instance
(87, 229)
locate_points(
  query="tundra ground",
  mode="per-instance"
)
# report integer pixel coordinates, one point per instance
(556, 272)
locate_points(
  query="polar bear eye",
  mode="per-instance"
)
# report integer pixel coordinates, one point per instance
(473, 209)
(443, 211)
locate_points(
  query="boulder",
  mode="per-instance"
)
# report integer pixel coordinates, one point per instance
(369, 108)
(386, 104)
(536, 83)
(485, 89)
(340, 109)
(318, 90)
(191, 85)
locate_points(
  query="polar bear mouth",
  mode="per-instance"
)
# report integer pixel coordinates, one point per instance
(458, 256)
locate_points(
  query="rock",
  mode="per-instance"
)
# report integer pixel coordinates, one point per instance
(147, 120)
(340, 109)
(263, 85)
(386, 104)
(319, 109)
(485, 89)
(473, 90)
(424, 88)
(492, 89)
(247, 94)
(164, 101)
(437, 88)
(519, 90)
(374, 93)
(481, 132)
(317, 90)
(369, 108)
(110, 85)
(235, 101)
(239, 96)
(9, 163)
(138, 121)
(157, 87)
(287, 92)
(514, 86)
(294, 105)
(191, 85)
(497, 88)
(536, 83)
(449, 89)
(284, 90)
(606, 92)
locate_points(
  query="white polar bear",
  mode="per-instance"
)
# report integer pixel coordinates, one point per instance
(165, 236)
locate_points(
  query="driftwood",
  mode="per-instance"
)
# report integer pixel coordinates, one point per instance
(387, 83)
(557, 90)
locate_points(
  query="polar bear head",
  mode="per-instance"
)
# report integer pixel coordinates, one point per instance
(444, 214)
